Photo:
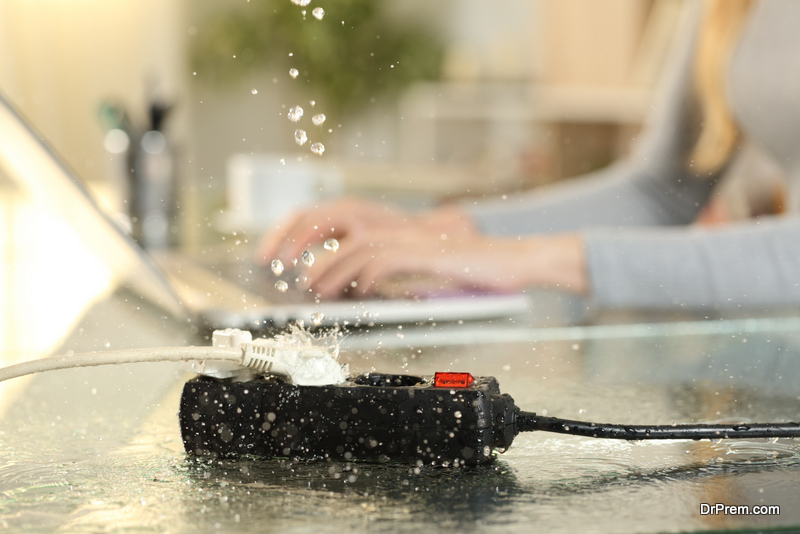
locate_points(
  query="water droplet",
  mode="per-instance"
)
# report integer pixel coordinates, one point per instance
(318, 148)
(301, 2)
(331, 244)
(254, 91)
(293, 73)
(457, 414)
(283, 161)
(312, 102)
(317, 318)
(300, 137)
(277, 267)
(772, 440)
(716, 440)
(318, 119)
(281, 286)
(295, 114)
(294, 261)
(575, 346)
(308, 258)
(318, 13)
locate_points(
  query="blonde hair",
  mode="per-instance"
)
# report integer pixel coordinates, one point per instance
(719, 132)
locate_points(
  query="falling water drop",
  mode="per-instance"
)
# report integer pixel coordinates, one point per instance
(331, 244)
(318, 119)
(308, 258)
(281, 286)
(317, 318)
(277, 267)
(295, 114)
(318, 13)
(318, 148)
(293, 73)
(300, 137)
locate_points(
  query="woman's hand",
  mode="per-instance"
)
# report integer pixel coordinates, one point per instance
(464, 261)
(352, 218)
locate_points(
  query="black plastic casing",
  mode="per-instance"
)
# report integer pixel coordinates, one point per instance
(374, 417)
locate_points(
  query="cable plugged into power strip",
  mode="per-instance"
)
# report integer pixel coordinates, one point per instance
(289, 397)
(233, 354)
(450, 419)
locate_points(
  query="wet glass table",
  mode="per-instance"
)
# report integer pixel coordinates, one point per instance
(99, 449)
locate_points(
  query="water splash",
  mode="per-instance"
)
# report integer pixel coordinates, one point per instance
(318, 148)
(317, 317)
(318, 119)
(318, 13)
(315, 358)
(293, 73)
(295, 114)
(277, 267)
(308, 258)
(300, 137)
(281, 286)
(331, 244)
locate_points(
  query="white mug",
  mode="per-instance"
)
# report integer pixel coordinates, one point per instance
(264, 189)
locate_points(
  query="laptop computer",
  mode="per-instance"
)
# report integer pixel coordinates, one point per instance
(224, 292)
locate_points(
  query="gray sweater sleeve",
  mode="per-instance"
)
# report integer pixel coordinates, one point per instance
(755, 263)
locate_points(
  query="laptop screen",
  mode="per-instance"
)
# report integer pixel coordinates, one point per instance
(59, 251)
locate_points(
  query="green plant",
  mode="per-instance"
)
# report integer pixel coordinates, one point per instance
(350, 56)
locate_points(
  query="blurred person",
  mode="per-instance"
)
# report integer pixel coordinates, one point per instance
(626, 236)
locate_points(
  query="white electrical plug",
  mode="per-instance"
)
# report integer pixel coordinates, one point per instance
(232, 338)
(303, 364)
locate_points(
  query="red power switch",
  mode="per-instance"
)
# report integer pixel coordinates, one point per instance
(452, 380)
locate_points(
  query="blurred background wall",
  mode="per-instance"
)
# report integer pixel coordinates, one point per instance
(527, 91)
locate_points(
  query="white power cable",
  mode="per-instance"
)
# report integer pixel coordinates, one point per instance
(113, 357)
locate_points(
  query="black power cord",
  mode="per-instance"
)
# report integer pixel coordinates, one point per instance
(526, 422)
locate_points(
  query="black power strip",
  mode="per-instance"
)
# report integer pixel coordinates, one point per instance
(373, 417)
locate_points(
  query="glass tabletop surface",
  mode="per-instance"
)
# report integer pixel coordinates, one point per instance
(99, 449)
